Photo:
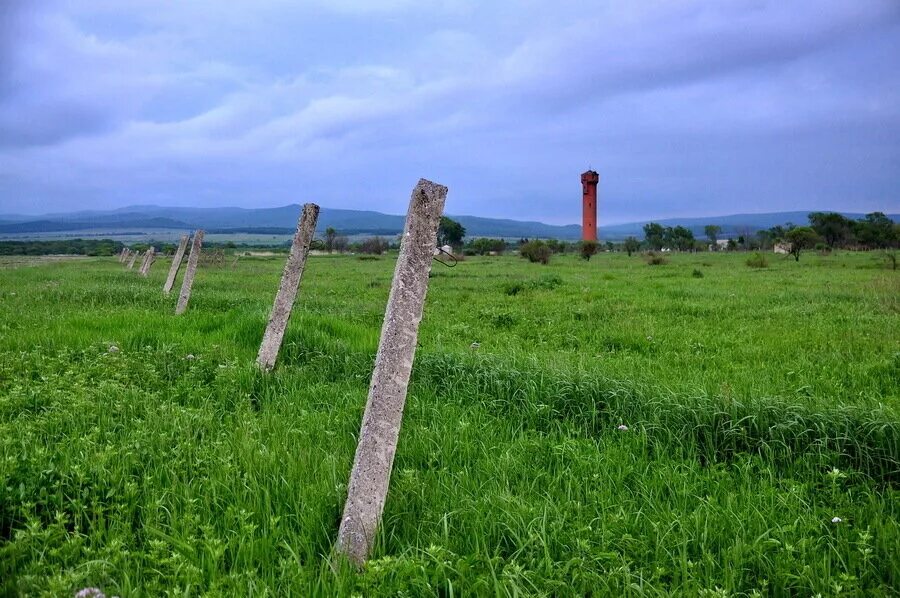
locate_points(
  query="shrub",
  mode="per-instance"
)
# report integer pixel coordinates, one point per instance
(483, 246)
(547, 282)
(557, 246)
(588, 248)
(656, 260)
(500, 319)
(757, 260)
(513, 288)
(536, 251)
(374, 246)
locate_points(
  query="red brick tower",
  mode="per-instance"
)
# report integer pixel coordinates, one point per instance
(589, 182)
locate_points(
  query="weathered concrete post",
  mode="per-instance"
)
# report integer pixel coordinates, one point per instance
(134, 255)
(287, 291)
(144, 262)
(176, 264)
(369, 479)
(148, 261)
(188, 281)
(122, 254)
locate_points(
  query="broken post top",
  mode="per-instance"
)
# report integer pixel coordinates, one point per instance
(429, 191)
(427, 199)
(310, 210)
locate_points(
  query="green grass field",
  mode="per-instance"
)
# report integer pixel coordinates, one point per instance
(760, 404)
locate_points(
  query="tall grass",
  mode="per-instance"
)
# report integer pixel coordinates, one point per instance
(757, 406)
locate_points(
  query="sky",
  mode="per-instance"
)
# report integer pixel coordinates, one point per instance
(684, 107)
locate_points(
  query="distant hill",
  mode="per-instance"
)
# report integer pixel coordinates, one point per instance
(138, 221)
(265, 221)
(283, 220)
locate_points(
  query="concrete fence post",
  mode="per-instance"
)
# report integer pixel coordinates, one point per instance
(176, 264)
(122, 254)
(143, 262)
(131, 261)
(188, 281)
(148, 261)
(369, 479)
(287, 290)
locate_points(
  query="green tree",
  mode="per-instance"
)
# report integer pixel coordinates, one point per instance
(588, 248)
(632, 245)
(800, 238)
(557, 246)
(536, 251)
(834, 228)
(330, 236)
(483, 246)
(875, 231)
(712, 233)
(450, 232)
(654, 235)
(679, 238)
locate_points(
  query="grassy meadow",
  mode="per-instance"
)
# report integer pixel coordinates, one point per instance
(760, 404)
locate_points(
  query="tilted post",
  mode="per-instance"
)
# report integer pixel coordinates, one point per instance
(371, 474)
(287, 290)
(122, 254)
(134, 255)
(188, 281)
(144, 262)
(148, 261)
(176, 265)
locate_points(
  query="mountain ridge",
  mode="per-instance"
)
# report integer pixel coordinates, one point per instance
(361, 222)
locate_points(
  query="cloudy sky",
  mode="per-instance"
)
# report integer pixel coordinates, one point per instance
(685, 107)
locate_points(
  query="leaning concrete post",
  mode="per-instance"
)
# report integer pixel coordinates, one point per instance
(367, 490)
(176, 264)
(143, 261)
(148, 261)
(134, 255)
(287, 291)
(122, 255)
(188, 281)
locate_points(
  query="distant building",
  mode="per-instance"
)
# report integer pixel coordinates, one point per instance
(589, 182)
(721, 245)
(783, 248)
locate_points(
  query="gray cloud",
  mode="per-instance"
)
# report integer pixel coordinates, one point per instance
(684, 107)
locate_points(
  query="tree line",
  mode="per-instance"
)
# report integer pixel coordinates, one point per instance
(825, 231)
(831, 230)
